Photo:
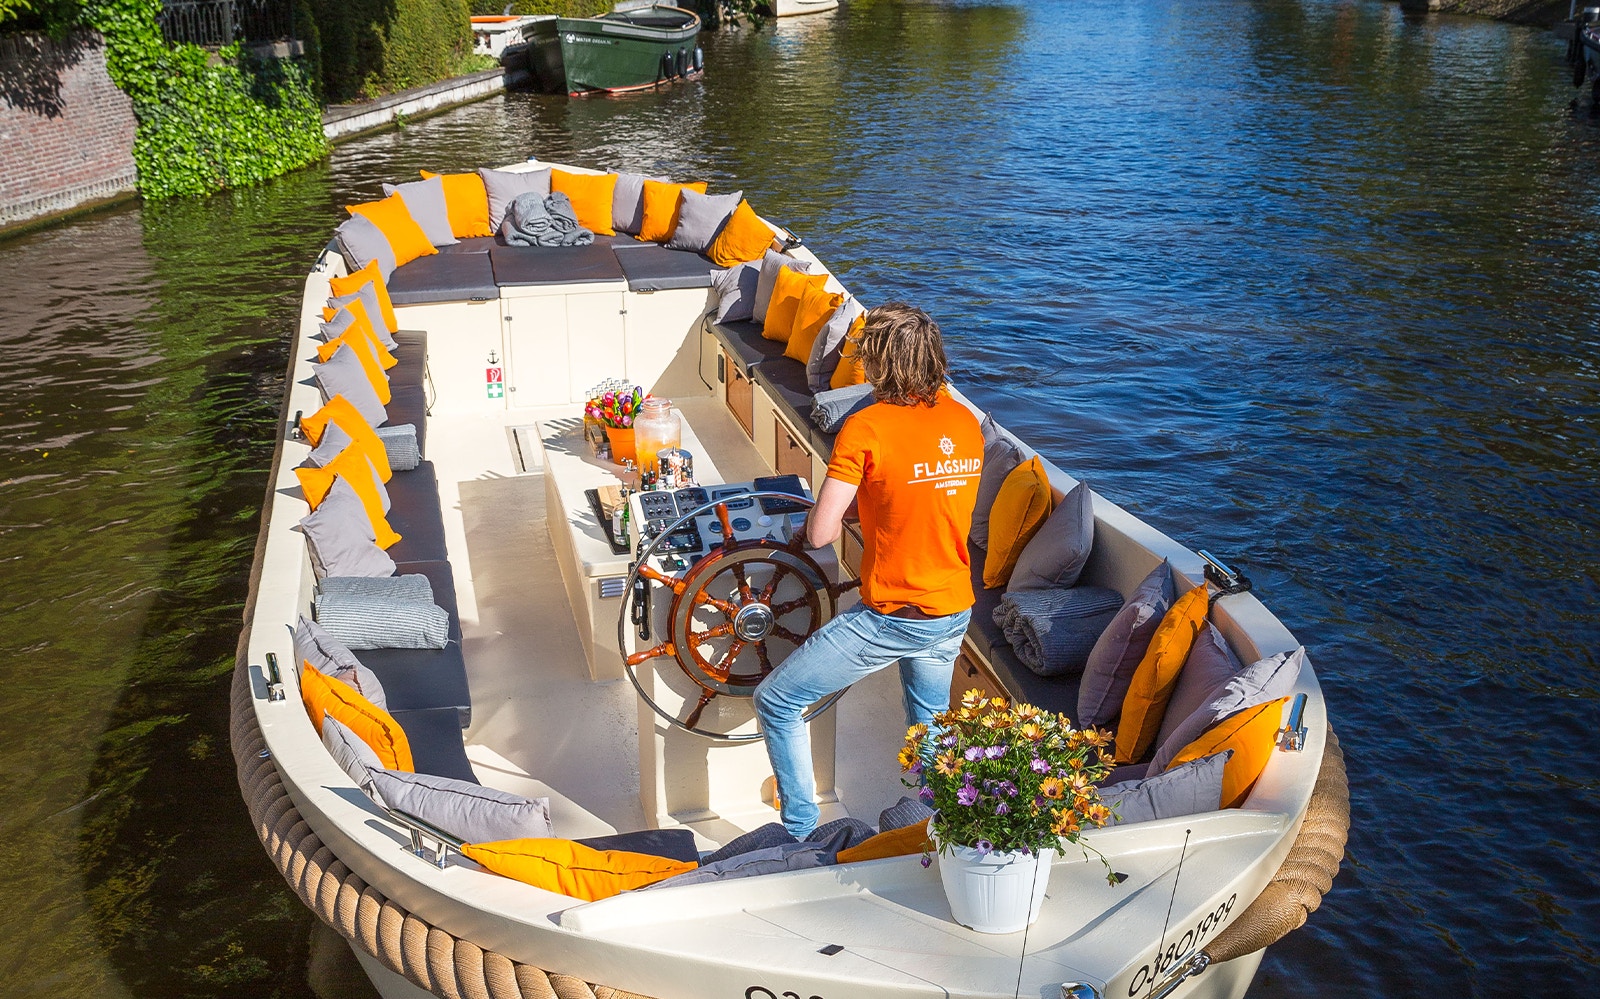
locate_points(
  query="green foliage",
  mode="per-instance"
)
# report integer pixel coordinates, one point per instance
(205, 123)
(375, 47)
(562, 8)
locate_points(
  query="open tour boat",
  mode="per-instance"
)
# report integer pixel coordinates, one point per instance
(532, 695)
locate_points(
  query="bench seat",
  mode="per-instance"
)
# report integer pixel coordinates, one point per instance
(466, 276)
(784, 380)
(415, 515)
(415, 679)
(1053, 693)
(649, 267)
(533, 266)
(436, 744)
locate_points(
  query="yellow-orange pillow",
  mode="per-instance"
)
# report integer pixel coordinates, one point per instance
(353, 284)
(1145, 704)
(591, 195)
(359, 318)
(787, 291)
(356, 469)
(374, 726)
(817, 306)
(568, 868)
(895, 843)
(359, 334)
(466, 202)
(370, 365)
(743, 239)
(1251, 734)
(850, 370)
(339, 411)
(406, 239)
(1020, 509)
(661, 203)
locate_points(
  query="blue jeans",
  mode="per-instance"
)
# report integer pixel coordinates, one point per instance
(854, 645)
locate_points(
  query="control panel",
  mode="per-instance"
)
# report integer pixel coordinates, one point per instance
(751, 517)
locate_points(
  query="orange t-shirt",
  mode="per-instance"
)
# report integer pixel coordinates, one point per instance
(917, 470)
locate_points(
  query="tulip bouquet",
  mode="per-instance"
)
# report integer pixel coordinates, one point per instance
(1007, 777)
(615, 406)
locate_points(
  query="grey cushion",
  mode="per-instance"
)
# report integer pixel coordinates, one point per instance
(360, 242)
(340, 539)
(772, 860)
(674, 844)
(841, 834)
(503, 187)
(367, 295)
(746, 347)
(770, 835)
(1192, 788)
(425, 201)
(416, 516)
(736, 291)
(342, 374)
(334, 328)
(1001, 454)
(364, 622)
(436, 745)
(1109, 671)
(700, 218)
(1262, 681)
(330, 657)
(442, 277)
(830, 342)
(771, 263)
(411, 586)
(649, 267)
(400, 445)
(466, 810)
(545, 265)
(829, 409)
(627, 202)
(905, 812)
(1210, 665)
(1055, 555)
(354, 756)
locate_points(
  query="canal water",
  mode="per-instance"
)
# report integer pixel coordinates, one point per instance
(1312, 285)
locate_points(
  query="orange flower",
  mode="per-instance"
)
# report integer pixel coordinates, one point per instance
(1066, 823)
(998, 703)
(1099, 814)
(908, 756)
(916, 732)
(947, 764)
(973, 698)
(1053, 787)
(1032, 732)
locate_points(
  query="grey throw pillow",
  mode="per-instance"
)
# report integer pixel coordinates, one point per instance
(330, 657)
(334, 441)
(627, 202)
(772, 860)
(425, 201)
(830, 342)
(771, 263)
(1262, 681)
(736, 291)
(1001, 454)
(339, 537)
(1056, 554)
(360, 242)
(354, 757)
(410, 586)
(905, 812)
(1210, 665)
(400, 445)
(503, 187)
(380, 623)
(1187, 790)
(701, 218)
(470, 812)
(831, 408)
(334, 328)
(342, 374)
(1112, 661)
(368, 297)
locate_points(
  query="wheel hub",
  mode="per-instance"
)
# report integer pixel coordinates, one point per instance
(754, 622)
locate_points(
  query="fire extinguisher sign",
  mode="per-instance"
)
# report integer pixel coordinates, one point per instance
(495, 382)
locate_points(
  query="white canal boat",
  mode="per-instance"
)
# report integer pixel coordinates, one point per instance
(794, 8)
(533, 695)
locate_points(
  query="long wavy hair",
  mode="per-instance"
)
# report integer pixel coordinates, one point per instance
(902, 353)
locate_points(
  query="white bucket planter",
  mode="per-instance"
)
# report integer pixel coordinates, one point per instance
(994, 892)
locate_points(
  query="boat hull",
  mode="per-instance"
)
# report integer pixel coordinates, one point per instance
(794, 8)
(620, 53)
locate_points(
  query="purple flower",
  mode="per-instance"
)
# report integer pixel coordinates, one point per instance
(984, 847)
(968, 795)
(995, 752)
(948, 740)
(1038, 766)
(1008, 789)
(1001, 808)
(925, 793)
(926, 860)
(916, 767)
(973, 752)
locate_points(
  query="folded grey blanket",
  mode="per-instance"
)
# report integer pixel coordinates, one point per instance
(1053, 631)
(363, 621)
(534, 221)
(829, 409)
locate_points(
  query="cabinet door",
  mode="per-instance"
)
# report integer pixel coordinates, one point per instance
(536, 351)
(791, 457)
(741, 398)
(595, 337)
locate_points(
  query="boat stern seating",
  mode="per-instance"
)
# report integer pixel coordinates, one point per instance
(1053, 693)
(408, 385)
(522, 266)
(649, 268)
(436, 744)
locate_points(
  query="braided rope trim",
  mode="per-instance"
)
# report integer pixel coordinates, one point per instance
(428, 957)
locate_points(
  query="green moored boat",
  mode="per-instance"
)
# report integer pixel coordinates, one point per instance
(633, 49)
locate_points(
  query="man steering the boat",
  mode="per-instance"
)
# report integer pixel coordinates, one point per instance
(908, 466)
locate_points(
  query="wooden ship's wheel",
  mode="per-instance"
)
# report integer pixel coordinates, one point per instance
(736, 613)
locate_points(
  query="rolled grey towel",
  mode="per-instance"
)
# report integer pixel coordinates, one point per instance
(550, 221)
(1053, 631)
(400, 444)
(364, 622)
(411, 587)
(830, 409)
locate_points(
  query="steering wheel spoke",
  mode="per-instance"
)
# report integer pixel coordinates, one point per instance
(664, 649)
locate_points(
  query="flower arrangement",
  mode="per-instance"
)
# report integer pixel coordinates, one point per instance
(1007, 777)
(615, 406)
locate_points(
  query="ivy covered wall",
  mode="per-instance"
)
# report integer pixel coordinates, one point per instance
(374, 47)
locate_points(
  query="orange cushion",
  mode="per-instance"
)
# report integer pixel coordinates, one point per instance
(894, 843)
(406, 239)
(661, 203)
(352, 284)
(568, 868)
(1145, 704)
(591, 195)
(743, 239)
(1020, 509)
(340, 411)
(355, 468)
(466, 202)
(360, 332)
(817, 306)
(850, 370)
(1251, 734)
(787, 291)
(370, 365)
(375, 726)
